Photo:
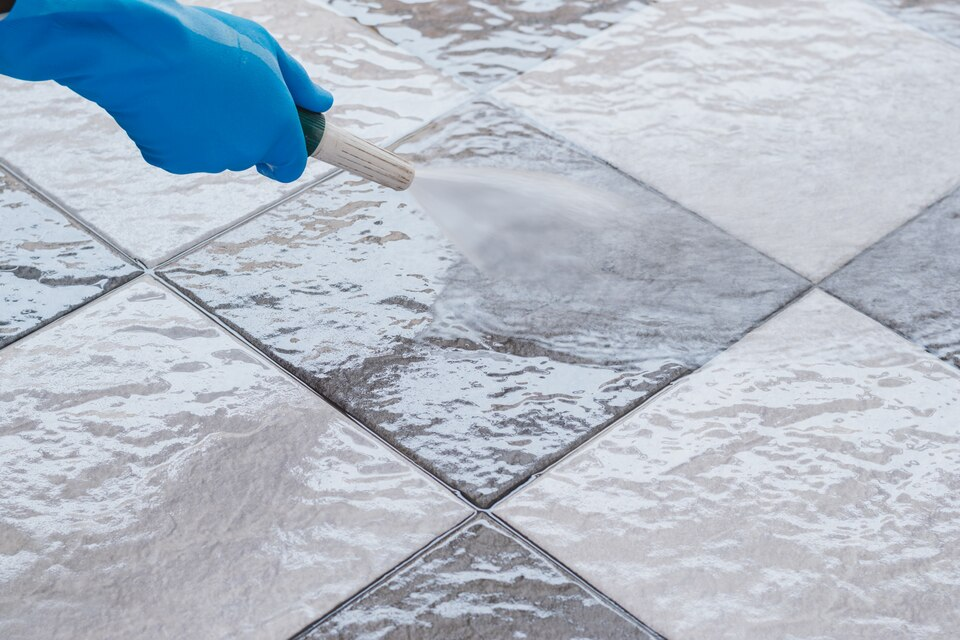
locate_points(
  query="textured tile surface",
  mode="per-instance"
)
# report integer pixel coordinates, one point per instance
(48, 265)
(804, 484)
(911, 280)
(481, 583)
(809, 128)
(381, 92)
(161, 481)
(484, 43)
(939, 17)
(483, 381)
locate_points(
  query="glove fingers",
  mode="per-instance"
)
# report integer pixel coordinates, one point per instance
(305, 93)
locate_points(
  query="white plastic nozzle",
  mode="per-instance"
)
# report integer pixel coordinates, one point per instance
(340, 148)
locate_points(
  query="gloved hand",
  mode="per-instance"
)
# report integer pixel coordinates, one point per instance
(197, 90)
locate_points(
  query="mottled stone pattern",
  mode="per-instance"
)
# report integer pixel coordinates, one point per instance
(48, 265)
(381, 93)
(485, 43)
(910, 281)
(804, 484)
(742, 111)
(160, 480)
(939, 17)
(482, 381)
(481, 583)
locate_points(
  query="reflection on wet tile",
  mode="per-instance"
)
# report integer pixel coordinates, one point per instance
(484, 581)
(809, 128)
(485, 43)
(804, 484)
(161, 480)
(482, 381)
(911, 280)
(939, 17)
(381, 92)
(48, 265)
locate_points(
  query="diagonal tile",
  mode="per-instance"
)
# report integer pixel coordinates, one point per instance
(48, 265)
(804, 484)
(381, 93)
(485, 43)
(939, 17)
(808, 128)
(482, 381)
(910, 281)
(161, 480)
(481, 583)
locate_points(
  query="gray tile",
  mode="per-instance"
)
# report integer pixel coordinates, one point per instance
(48, 265)
(481, 583)
(483, 381)
(910, 281)
(484, 43)
(160, 480)
(939, 17)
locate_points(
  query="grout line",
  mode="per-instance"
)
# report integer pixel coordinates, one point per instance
(949, 363)
(574, 576)
(207, 238)
(384, 578)
(629, 415)
(954, 188)
(221, 324)
(48, 199)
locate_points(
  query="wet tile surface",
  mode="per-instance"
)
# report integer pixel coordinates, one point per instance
(804, 484)
(939, 17)
(381, 93)
(48, 265)
(911, 280)
(485, 43)
(481, 583)
(161, 480)
(482, 381)
(808, 128)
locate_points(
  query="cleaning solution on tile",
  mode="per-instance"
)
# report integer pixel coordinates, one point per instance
(524, 226)
(512, 225)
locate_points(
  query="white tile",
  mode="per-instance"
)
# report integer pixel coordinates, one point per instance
(808, 128)
(804, 484)
(158, 479)
(74, 150)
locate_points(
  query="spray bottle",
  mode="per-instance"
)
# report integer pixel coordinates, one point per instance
(335, 146)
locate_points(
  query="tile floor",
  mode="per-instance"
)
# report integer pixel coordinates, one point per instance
(234, 409)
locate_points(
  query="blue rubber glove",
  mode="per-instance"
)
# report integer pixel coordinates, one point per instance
(197, 90)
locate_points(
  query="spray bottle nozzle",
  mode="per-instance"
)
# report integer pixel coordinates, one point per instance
(333, 145)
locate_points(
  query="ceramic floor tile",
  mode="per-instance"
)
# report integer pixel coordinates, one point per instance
(159, 480)
(481, 583)
(381, 93)
(939, 17)
(48, 265)
(804, 484)
(485, 43)
(910, 281)
(482, 381)
(809, 128)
